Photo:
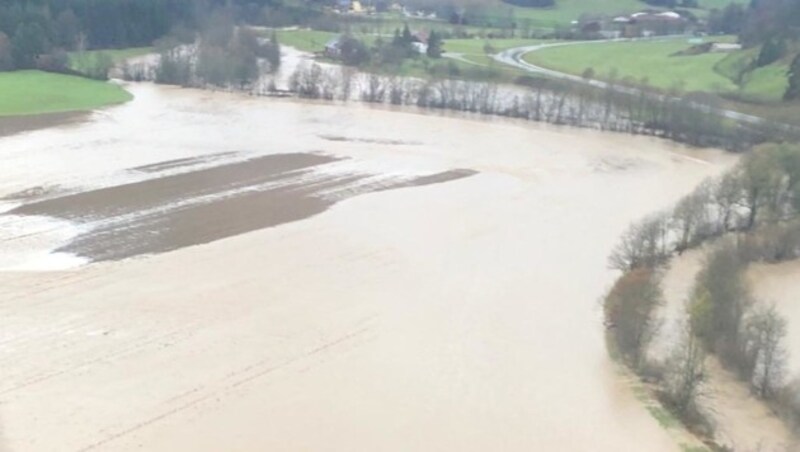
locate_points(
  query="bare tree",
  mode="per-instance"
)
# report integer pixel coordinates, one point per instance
(685, 372)
(690, 217)
(765, 332)
(645, 244)
(727, 194)
(760, 179)
(347, 76)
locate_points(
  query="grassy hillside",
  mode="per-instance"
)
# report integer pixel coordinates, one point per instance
(36, 92)
(764, 84)
(767, 83)
(566, 11)
(651, 60)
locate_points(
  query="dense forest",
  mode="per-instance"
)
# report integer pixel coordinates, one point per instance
(37, 33)
(766, 19)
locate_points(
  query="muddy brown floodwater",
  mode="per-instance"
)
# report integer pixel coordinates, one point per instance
(779, 285)
(300, 276)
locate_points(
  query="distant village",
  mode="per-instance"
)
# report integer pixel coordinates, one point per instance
(637, 25)
(642, 24)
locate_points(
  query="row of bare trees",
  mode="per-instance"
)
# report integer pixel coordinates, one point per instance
(762, 191)
(686, 120)
(747, 335)
(690, 119)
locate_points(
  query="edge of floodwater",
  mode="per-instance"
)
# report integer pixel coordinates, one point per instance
(13, 125)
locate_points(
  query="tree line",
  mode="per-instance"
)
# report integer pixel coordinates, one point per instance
(221, 54)
(689, 119)
(685, 119)
(39, 33)
(750, 214)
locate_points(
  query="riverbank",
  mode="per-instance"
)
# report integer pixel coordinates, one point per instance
(433, 315)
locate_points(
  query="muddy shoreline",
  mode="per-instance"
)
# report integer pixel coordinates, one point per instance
(12, 125)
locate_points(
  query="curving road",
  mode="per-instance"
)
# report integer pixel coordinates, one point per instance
(514, 57)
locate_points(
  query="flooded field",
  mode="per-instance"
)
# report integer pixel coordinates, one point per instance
(779, 285)
(742, 421)
(206, 272)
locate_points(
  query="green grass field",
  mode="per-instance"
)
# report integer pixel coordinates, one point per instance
(474, 50)
(305, 40)
(566, 11)
(36, 92)
(764, 84)
(476, 46)
(387, 23)
(78, 61)
(650, 60)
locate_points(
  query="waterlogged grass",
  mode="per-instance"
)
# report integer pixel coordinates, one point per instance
(664, 418)
(82, 61)
(641, 393)
(36, 92)
(688, 448)
(652, 62)
(646, 396)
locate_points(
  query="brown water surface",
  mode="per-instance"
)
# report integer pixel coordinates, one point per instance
(367, 279)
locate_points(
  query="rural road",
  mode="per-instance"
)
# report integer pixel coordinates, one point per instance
(514, 57)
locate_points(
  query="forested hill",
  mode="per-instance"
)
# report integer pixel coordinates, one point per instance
(767, 19)
(103, 23)
(36, 33)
